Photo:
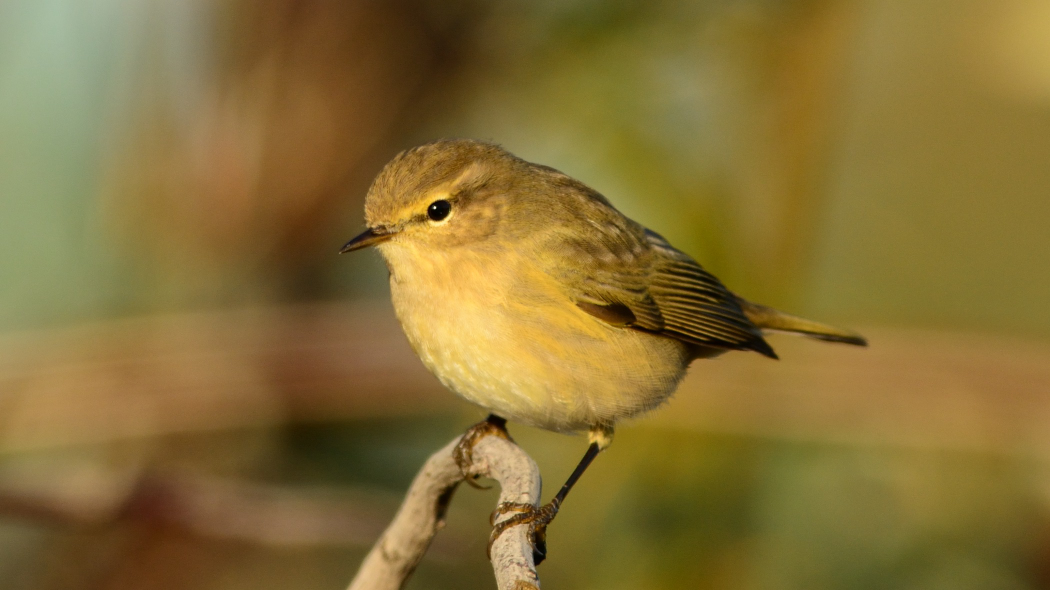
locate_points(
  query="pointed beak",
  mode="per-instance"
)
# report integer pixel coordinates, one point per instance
(369, 237)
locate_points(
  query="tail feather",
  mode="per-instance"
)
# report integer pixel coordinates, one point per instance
(768, 318)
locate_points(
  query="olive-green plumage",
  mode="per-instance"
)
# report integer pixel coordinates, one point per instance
(529, 294)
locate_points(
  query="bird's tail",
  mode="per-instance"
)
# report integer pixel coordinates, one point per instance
(768, 318)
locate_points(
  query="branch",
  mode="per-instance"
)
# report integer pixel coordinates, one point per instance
(79, 495)
(401, 547)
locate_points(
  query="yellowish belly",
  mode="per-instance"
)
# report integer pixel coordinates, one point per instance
(518, 347)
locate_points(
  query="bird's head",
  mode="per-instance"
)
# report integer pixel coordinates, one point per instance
(437, 196)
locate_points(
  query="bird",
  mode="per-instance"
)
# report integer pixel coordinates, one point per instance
(527, 293)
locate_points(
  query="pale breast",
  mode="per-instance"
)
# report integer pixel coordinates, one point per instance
(503, 335)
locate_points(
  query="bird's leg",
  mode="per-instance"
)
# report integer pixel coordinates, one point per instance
(464, 451)
(538, 518)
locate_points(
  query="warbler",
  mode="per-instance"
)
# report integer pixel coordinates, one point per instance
(527, 293)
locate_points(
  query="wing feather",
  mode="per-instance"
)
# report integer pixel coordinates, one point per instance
(667, 292)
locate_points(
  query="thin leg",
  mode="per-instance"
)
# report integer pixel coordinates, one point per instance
(464, 451)
(539, 518)
(592, 452)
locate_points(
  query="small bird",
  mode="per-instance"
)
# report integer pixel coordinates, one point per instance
(527, 293)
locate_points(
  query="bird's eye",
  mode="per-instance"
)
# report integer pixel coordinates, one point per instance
(439, 210)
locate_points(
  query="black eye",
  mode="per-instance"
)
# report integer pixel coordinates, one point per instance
(439, 210)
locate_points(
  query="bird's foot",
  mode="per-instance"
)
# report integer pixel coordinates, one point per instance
(537, 517)
(463, 454)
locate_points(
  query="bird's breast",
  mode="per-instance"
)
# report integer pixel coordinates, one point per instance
(503, 334)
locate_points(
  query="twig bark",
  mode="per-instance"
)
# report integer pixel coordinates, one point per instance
(401, 547)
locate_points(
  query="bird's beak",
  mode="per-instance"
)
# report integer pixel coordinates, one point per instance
(369, 237)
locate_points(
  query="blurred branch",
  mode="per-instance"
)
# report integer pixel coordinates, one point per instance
(94, 496)
(396, 553)
(191, 373)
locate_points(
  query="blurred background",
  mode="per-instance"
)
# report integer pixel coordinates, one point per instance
(196, 392)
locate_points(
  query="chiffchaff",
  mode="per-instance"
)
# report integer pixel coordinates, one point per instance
(526, 292)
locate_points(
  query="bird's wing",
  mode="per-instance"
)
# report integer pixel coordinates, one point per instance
(633, 278)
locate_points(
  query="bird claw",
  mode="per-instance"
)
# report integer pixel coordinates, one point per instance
(536, 517)
(463, 453)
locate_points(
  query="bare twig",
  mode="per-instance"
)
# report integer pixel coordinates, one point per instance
(397, 552)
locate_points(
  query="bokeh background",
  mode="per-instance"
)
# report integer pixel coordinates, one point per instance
(197, 393)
